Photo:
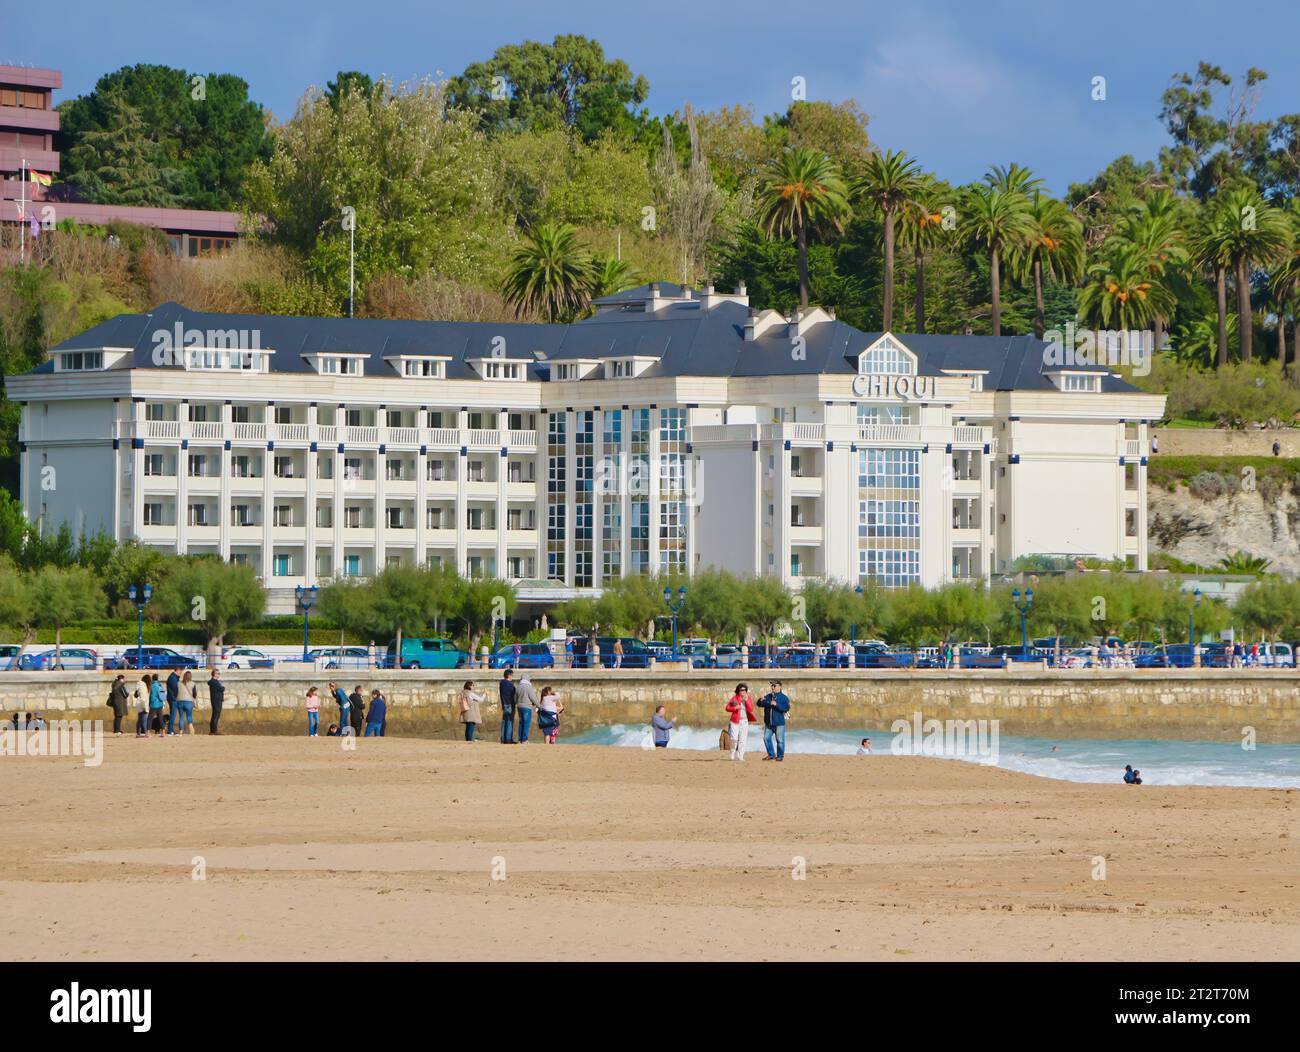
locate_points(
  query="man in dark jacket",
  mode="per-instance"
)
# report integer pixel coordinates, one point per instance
(357, 714)
(119, 699)
(775, 705)
(507, 690)
(216, 697)
(377, 715)
(173, 689)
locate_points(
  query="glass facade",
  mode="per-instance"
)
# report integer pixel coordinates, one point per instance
(584, 460)
(556, 480)
(889, 516)
(639, 486)
(672, 490)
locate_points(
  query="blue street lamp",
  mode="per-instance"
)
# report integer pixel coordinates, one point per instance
(140, 599)
(674, 606)
(1191, 623)
(853, 628)
(1023, 609)
(305, 597)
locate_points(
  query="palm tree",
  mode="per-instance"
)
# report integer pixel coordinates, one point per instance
(1000, 221)
(1196, 339)
(1210, 252)
(1155, 232)
(890, 181)
(802, 189)
(1246, 232)
(1284, 289)
(610, 275)
(551, 275)
(1014, 178)
(1055, 247)
(922, 231)
(1120, 293)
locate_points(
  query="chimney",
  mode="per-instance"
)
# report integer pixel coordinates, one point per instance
(652, 303)
(750, 334)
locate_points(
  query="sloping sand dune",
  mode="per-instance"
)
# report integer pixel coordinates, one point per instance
(421, 849)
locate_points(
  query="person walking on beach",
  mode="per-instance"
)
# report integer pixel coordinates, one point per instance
(356, 711)
(661, 725)
(507, 692)
(216, 698)
(313, 711)
(173, 685)
(470, 713)
(141, 695)
(526, 701)
(344, 702)
(548, 714)
(741, 710)
(186, 696)
(119, 699)
(376, 716)
(157, 698)
(775, 705)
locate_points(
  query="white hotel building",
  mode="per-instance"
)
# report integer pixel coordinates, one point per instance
(673, 430)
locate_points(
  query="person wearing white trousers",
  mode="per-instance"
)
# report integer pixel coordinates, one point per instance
(741, 710)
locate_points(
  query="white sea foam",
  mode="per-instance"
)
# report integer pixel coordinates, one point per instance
(1075, 759)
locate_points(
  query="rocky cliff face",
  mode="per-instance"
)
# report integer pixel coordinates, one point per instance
(1204, 527)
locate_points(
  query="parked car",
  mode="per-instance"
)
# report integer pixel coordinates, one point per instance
(8, 656)
(727, 655)
(979, 656)
(877, 655)
(247, 657)
(426, 653)
(636, 654)
(155, 658)
(69, 659)
(658, 650)
(531, 655)
(340, 657)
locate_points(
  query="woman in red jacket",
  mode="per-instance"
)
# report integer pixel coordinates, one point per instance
(741, 710)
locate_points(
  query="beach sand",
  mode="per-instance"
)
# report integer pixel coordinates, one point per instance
(388, 851)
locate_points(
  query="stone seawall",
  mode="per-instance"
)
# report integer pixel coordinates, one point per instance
(1188, 704)
(1221, 442)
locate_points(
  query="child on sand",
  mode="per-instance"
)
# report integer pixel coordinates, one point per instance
(313, 711)
(548, 714)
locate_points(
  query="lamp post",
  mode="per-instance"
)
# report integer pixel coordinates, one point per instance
(306, 597)
(1191, 622)
(675, 604)
(140, 598)
(1023, 609)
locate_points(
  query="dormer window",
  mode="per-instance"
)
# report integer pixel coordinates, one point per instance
(1089, 382)
(212, 359)
(80, 361)
(626, 368)
(497, 369)
(886, 357)
(568, 371)
(339, 365)
(574, 370)
(426, 368)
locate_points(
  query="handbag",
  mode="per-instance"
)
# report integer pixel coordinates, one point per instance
(724, 739)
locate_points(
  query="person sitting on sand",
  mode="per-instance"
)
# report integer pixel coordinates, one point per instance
(332, 731)
(1131, 777)
(865, 748)
(661, 725)
(548, 714)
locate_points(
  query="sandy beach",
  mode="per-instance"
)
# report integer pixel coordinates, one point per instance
(416, 849)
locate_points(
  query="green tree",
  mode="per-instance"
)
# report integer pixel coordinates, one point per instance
(482, 600)
(348, 603)
(922, 230)
(552, 275)
(802, 190)
(1270, 606)
(567, 82)
(214, 595)
(1054, 248)
(195, 137)
(16, 606)
(766, 604)
(133, 563)
(61, 594)
(1254, 234)
(403, 599)
(890, 181)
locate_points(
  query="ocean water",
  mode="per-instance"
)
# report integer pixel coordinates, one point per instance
(1075, 759)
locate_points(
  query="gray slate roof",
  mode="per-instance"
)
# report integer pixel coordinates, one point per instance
(686, 339)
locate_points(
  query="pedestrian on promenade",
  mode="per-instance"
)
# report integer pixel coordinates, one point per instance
(775, 705)
(618, 653)
(741, 710)
(216, 698)
(119, 700)
(470, 713)
(526, 701)
(507, 692)
(313, 711)
(549, 710)
(376, 716)
(661, 725)
(186, 696)
(173, 685)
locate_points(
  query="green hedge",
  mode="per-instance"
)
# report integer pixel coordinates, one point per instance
(123, 633)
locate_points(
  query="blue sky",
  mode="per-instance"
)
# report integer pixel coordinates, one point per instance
(961, 85)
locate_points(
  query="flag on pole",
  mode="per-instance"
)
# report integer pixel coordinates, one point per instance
(40, 177)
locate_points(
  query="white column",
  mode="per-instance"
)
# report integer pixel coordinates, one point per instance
(503, 464)
(339, 432)
(597, 512)
(223, 512)
(462, 469)
(309, 504)
(137, 467)
(654, 491)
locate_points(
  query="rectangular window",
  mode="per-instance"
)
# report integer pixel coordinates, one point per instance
(280, 566)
